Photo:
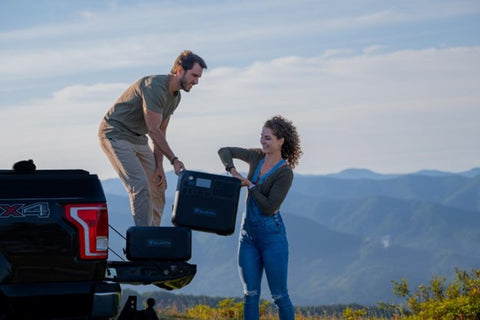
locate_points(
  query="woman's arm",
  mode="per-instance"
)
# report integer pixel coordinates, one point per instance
(251, 156)
(227, 154)
(271, 194)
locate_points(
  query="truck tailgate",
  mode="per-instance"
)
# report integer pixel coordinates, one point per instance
(167, 275)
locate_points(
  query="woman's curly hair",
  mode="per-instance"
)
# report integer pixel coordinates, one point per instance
(283, 128)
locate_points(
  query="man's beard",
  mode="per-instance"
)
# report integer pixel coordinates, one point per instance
(182, 83)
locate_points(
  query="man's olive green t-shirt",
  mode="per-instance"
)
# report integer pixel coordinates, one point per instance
(125, 119)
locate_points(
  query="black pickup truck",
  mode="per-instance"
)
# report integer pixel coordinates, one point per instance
(54, 234)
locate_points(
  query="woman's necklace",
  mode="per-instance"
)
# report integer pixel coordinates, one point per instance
(263, 169)
(267, 166)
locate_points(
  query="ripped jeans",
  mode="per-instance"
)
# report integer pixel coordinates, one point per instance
(264, 246)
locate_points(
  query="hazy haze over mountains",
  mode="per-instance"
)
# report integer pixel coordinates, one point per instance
(350, 234)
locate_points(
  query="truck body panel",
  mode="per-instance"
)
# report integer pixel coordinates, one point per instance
(54, 249)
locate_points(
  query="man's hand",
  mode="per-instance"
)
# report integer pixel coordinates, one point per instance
(178, 166)
(159, 178)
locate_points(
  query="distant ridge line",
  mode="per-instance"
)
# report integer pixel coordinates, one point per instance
(361, 173)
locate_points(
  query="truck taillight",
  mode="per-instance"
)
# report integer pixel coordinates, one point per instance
(91, 220)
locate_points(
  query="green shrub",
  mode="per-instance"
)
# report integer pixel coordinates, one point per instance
(350, 314)
(459, 300)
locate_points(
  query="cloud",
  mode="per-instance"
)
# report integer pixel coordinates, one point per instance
(373, 49)
(378, 111)
(127, 35)
(387, 86)
(60, 131)
(87, 14)
(385, 240)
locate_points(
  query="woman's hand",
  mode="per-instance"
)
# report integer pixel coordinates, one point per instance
(244, 181)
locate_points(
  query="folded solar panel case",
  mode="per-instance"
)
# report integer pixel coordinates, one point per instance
(206, 202)
(159, 244)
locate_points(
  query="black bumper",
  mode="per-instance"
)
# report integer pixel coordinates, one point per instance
(63, 300)
(167, 275)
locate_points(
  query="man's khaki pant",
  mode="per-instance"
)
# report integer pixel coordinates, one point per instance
(135, 165)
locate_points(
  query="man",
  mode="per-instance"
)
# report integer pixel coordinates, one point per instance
(144, 109)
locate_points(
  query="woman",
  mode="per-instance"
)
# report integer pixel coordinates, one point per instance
(263, 243)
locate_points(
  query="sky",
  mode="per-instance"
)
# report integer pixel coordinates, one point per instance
(389, 86)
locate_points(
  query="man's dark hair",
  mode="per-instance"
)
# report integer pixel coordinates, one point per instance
(187, 59)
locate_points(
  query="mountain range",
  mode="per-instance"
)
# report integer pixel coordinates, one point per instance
(350, 235)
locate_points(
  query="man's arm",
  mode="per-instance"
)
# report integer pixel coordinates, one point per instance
(156, 150)
(156, 131)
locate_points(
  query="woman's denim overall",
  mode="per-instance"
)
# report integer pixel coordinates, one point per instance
(263, 245)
